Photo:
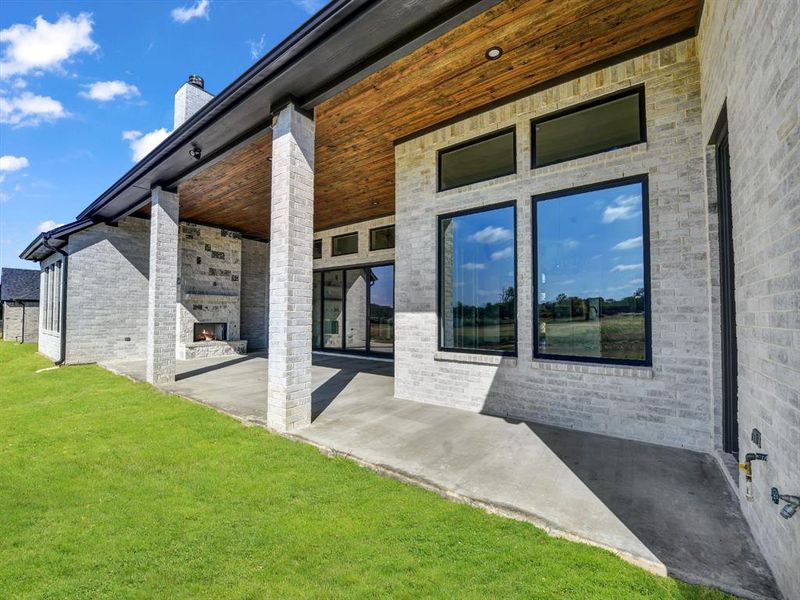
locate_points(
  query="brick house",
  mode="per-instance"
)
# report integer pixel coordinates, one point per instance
(585, 214)
(19, 305)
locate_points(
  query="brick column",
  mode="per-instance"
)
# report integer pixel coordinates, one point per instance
(163, 291)
(290, 270)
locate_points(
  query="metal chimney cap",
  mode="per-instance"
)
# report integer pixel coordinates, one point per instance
(197, 80)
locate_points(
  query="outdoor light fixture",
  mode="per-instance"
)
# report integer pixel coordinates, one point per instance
(494, 53)
(195, 152)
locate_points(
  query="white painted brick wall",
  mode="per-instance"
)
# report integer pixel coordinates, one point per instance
(290, 267)
(188, 100)
(106, 294)
(750, 57)
(669, 404)
(255, 294)
(162, 294)
(364, 255)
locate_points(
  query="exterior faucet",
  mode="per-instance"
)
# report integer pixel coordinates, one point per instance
(747, 467)
(793, 503)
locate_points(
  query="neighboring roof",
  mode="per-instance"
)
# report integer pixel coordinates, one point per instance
(341, 44)
(19, 284)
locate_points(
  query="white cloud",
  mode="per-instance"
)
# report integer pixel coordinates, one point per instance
(44, 46)
(4, 197)
(142, 143)
(623, 208)
(13, 163)
(183, 14)
(309, 6)
(570, 244)
(621, 268)
(501, 254)
(29, 109)
(470, 266)
(629, 244)
(491, 235)
(46, 226)
(256, 48)
(103, 91)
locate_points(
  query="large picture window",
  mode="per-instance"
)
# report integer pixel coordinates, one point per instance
(604, 124)
(592, 274)
(477, 281)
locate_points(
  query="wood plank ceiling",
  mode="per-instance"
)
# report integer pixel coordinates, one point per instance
(542, 40)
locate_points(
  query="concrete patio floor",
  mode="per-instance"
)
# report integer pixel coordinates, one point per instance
(668, 510)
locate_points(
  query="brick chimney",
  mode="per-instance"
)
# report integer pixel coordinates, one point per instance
(190, 98)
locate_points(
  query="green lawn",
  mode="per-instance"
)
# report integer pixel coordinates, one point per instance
(615, 336)
(111, 489)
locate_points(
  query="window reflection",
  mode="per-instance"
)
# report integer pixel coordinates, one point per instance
(591, 291)
(477, 281)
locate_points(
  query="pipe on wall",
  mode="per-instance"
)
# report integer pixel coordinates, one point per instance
(22, 331)
(62, 352)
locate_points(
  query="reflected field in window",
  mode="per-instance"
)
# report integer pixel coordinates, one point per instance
(591, 274)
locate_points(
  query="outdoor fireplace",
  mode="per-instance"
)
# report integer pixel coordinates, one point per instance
(207, 332)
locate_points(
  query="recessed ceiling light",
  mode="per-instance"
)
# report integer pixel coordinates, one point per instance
(494, 53)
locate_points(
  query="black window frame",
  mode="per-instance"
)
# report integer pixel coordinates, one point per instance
(439, 281)
(634, 90)
(316, 345)
(317, 245)
(643, 179)
(481, 138)
(344, 235)
(381, 228)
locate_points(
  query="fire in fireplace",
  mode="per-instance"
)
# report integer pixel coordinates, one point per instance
(206, 332)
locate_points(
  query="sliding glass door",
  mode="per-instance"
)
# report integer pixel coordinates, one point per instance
(354, 310)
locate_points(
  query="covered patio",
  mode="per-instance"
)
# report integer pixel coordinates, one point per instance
(666, 509)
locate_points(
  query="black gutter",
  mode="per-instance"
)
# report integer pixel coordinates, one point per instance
(62, 232)
(62, 352)
(232, 95)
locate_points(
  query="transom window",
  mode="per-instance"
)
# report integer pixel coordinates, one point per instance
(605, 124)
(344, 244)
(592, 274)
(479, 159)
(381, 238)
(477, 281)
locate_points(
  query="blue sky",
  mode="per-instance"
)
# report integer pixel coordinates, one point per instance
(590, 244)
(483, 261)
(86, 86)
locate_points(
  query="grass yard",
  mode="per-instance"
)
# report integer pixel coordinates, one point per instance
(110, 489)
(616, 336)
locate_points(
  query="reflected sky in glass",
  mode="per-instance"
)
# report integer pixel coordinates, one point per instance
(483, 256)
(382, 291)
(590, 244)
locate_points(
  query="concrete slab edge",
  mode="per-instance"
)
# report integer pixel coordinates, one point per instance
(518, 514)
(488, 506)
(484, 504)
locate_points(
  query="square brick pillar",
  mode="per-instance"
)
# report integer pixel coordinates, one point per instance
(290, 270)
(163, 287)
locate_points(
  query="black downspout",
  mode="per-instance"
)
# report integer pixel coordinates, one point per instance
(62, 354)
(22, 333)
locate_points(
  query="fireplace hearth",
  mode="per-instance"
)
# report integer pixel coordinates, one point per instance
(210, 332)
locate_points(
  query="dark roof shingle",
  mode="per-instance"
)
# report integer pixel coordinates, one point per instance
(19, 284)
